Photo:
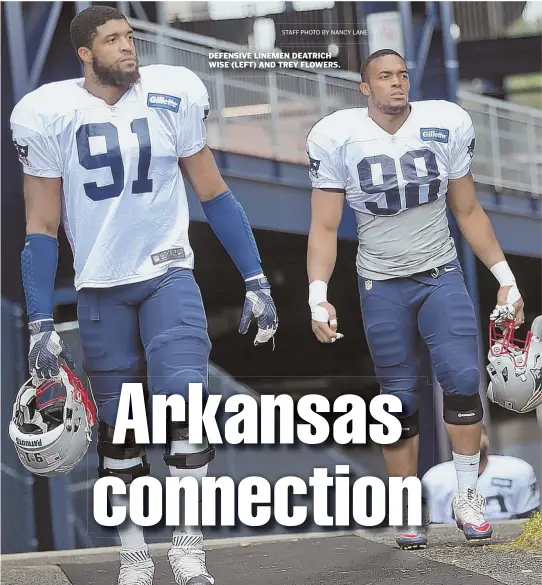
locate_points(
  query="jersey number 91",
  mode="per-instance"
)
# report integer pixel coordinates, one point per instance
(112, 158)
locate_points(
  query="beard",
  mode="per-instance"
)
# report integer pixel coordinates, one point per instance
(112, 76)
(389, 109)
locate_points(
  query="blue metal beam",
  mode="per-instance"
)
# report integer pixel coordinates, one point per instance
(405, 10)
(44, 45)
(449, 47)
(124, 7)
(80, 6)
(17, 49)
(139, 11)
(423, 49)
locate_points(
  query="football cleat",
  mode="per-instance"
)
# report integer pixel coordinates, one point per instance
(136, 567)
(469, 515)
(413, 537)
(187, 559)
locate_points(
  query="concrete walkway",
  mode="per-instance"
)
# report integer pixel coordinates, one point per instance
(354, 558)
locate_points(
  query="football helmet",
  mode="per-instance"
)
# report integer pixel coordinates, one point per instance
(515, 367)
(51, 440)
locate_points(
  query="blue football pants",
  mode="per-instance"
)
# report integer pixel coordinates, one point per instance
(434, 305)
(152, 332)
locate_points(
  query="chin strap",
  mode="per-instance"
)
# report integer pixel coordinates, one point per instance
(80, 395)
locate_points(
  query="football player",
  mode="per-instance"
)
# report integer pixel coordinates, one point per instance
(108, 154)
(508, 485)
(399, 165)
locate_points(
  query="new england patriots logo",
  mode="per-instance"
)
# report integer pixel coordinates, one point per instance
(537, 376)
(471, 146)
(22, 152)
(313, 167)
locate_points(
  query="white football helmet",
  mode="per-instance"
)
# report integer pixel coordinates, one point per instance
(52, 440)
(515, 368)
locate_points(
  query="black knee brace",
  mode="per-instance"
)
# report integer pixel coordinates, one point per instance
(410, 425)
(178, 431)
(463, 410)
(128, 450)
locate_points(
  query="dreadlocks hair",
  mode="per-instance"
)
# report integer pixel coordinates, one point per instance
(83, 26)
(376, 55)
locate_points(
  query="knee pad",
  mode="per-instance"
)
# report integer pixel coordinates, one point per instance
(457, 379)
(128, 450)
(178, 431)
(409, 416)
(410, 425)
(409, 401)
(463, 410)
(468, 381)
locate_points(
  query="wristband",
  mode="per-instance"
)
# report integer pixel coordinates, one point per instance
(317, 292)
(501, 271)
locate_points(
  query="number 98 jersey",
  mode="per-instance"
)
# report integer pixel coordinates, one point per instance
(124, 205)
(396, 184)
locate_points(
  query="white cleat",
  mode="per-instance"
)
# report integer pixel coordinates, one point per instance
(187, 559)
(413, 537)
(469, 515)
(136, 567)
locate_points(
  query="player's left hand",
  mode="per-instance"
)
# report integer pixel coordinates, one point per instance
(509, 307)
(259, 304)
(324, 323)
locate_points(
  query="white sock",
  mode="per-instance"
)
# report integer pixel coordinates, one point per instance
(466, 467)
(131, 535)
(183, 447)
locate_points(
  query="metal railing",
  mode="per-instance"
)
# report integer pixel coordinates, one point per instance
(269, 113)
(508, 143)
(486, 20)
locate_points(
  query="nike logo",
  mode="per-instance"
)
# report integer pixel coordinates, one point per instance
(449, 268)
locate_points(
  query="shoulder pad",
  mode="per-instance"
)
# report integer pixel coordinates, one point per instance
(173, 80)
(43, 106)
(334, 129)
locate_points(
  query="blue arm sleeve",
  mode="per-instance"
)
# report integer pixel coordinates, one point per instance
(39, 261)
(230, 225)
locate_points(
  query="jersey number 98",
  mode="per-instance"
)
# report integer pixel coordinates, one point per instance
(112, 158)
(390, 186)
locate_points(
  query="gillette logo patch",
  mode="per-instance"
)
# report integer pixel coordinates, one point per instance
(160, 100)
(436, 134)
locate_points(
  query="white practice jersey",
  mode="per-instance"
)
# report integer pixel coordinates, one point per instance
(396, 184)
(508, 485)
(124, 205)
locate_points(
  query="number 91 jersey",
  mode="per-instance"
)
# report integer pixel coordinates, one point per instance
(396, 184)
(124, 205)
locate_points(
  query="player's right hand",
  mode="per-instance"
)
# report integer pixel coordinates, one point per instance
(46, 347)
(510, 306)
(324, 323)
